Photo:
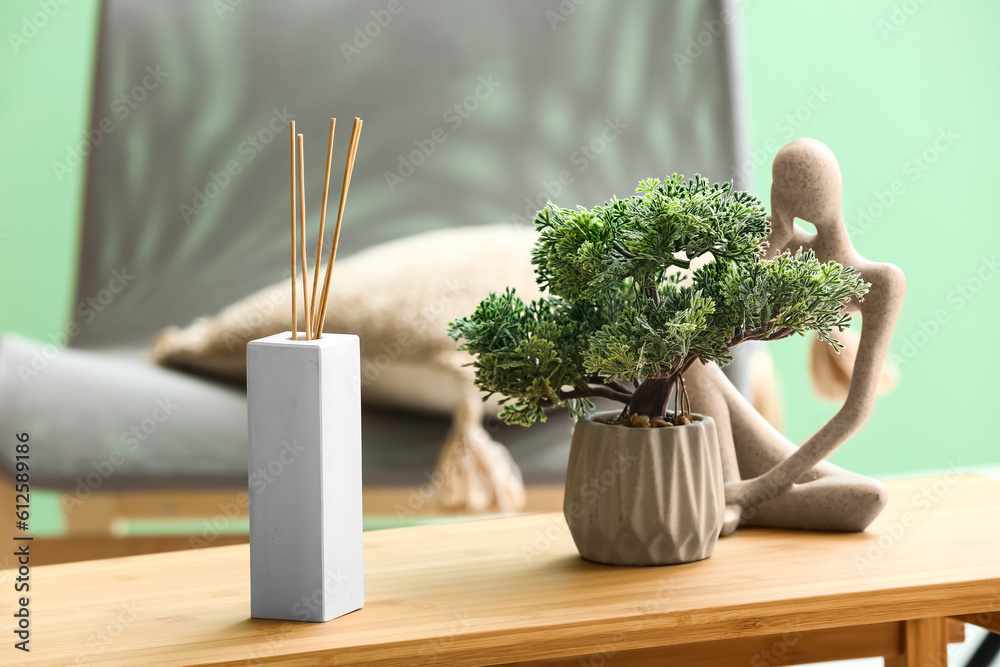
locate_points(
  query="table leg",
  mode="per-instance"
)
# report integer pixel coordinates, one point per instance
(7, 531)
(925, 644)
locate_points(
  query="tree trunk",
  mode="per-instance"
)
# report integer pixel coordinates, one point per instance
(651, 397)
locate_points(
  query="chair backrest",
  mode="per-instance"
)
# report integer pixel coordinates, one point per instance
(475, 113)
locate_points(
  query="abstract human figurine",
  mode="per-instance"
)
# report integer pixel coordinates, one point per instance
(768, 481)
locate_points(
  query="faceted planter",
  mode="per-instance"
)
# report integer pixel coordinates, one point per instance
(644, 496)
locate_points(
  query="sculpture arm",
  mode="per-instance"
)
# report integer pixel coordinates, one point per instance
(880, 310)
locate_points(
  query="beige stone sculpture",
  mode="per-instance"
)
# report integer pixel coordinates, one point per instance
(768, 481)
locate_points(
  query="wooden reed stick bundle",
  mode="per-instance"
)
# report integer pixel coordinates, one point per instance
(302, 240)
(322, 223)
(315, 314)
(295, 324)
(348, 170)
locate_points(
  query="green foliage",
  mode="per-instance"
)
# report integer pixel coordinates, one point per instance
(531, 352)
(618, 310)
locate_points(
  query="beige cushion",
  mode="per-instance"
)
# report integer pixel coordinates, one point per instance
(398, 297)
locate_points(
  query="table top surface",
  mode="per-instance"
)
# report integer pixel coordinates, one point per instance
(503, 590)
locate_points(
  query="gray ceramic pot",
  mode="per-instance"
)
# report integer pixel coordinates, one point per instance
(644, 496)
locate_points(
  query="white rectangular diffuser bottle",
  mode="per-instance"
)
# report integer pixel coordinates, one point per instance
(304, 405)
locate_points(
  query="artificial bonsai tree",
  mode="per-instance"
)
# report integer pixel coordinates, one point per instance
(621, 321)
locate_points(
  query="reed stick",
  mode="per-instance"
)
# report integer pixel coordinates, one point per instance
(295, 324)
(348, 170)
(317, 330)
(302, 238)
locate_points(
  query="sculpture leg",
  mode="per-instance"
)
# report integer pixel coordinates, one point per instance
(707, 398)
(826, 497)
(834, 501)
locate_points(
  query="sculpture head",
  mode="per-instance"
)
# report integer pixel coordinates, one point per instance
(806, 184)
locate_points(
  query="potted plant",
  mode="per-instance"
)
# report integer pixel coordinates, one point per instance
(620, 320)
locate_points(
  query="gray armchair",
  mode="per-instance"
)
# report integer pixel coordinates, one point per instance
(186, 196)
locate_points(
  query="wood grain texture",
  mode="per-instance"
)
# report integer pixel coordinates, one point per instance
(507, 590)
(158, 504)
(956, 631)
(55, 550)
(924, 644)
(789, 648)
(886, 640)
(91, 525)
(990, 620)
(7, 530)
(412, 502)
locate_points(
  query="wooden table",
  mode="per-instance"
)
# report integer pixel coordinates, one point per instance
(514, 590)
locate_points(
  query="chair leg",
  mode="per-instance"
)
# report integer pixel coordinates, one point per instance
(925, 644)
(7, 530)
(986, 653)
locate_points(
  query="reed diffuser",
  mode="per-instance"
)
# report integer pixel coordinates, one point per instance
(304, 414)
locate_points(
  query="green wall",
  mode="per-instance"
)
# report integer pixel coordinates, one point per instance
(905, 92)
(45, 81)
(912, 101)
